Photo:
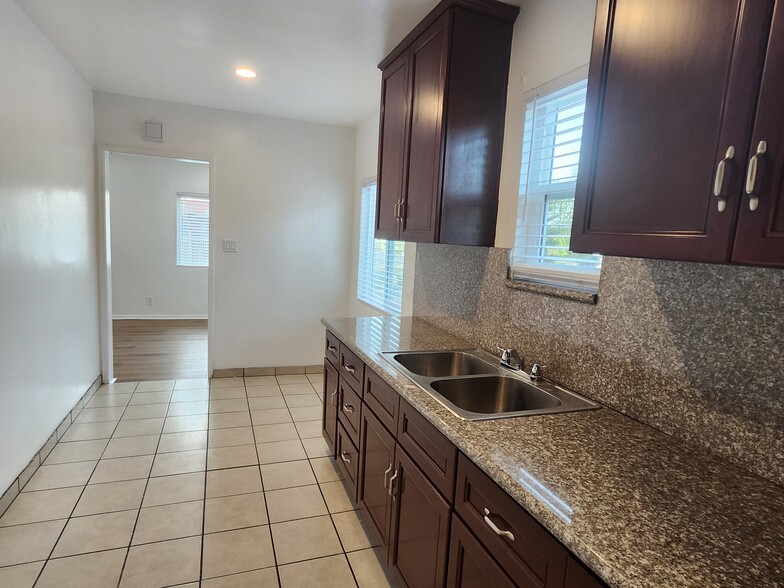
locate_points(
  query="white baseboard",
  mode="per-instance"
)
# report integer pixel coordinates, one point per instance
(157, 317)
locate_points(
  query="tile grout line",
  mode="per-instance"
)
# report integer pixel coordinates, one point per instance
(146, 485)
(76, 504)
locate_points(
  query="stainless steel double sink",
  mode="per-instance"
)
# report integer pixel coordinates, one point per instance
(472, 385)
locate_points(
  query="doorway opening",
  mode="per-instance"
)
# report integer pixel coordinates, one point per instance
(157, 253)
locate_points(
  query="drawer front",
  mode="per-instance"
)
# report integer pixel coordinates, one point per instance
(432, 452)
(578, 577)
(349, 410)
(332, 349)
(470, 566)
(351, 367)
(382, 399)
(347, 457)
(531, 556)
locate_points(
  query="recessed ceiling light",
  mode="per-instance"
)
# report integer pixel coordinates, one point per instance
(245, 72)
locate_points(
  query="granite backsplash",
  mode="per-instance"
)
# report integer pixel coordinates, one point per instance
(694, 350)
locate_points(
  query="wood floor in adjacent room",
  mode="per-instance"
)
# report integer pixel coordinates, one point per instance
(160, 349)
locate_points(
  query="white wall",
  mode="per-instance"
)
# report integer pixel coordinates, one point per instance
(284, 190)
(551, 39)
(143, 208)
(48, 271)
(366, 167)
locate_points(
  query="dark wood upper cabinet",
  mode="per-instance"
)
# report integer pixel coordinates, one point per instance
(760, 236)
(672, 93)
(443, 98)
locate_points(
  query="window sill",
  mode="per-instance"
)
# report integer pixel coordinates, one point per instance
(554, 291)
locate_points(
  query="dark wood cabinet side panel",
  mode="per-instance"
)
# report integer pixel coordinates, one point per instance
(377, 459)
(470, 565)
(420, 529)
(392, 149)
(666, 98)
(475, 117)
(329, 414)
(760, 235)
(427, 70)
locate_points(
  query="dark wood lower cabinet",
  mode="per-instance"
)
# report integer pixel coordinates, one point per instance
(331, 403)
(419, 539)
(470, 565)
(377, 460)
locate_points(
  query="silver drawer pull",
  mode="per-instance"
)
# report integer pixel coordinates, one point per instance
(350, 368)
(345, 456)
(390, 489)
(496, 530)
(718, 184)
(386, 475)
(332, 348)
(334, 399)
(347, 408)
(751, 175)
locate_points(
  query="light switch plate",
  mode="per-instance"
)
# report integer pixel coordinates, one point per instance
(230, 245)
(153, 131)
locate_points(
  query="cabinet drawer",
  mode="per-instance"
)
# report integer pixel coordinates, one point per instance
(349, 410)
(382, 399)
(347, 457)
(530, 555)
(351, 367)
(578, 577)
(332, 349)
(432, 452)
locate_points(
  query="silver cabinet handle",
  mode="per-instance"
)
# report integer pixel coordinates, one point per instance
(345, 456)
(350, 368)
(347, 408)
(751, 175)
(386, 475)
(496, 530)
(332, 348)
(397, 210)
(333, 399)
(390, 490)
(718, 184)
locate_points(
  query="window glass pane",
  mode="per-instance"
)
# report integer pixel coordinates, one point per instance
(193, 231)
(380, 272)
(551, 158)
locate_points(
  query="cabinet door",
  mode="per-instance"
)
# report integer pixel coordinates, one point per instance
(760, 235)
(376, 462)
(419, 539)
(470, 565)
(428, 80)
(329, 419)
(392, 150)
(671, 88)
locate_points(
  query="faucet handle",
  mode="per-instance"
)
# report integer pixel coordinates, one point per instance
(537, 372)
(511, 359)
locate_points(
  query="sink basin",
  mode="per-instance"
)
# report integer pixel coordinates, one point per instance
(441, 364)
(494, 395)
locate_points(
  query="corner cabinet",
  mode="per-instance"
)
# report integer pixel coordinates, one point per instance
(438, 517)
(683, 141)
(443, 99)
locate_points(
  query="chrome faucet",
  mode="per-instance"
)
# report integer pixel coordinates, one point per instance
(537, 372)
(511, 359)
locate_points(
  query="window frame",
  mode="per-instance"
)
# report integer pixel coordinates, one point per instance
(181, 196)
(390, 301)
(572, 278)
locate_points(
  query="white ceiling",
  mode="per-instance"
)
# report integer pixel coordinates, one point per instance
(316, 59)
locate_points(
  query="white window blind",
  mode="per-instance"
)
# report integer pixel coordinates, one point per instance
(551, 157)
(193, 230)
(380, 275)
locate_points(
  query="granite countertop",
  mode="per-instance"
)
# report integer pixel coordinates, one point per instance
(637, 506)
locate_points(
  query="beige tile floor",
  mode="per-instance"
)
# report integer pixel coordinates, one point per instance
(190, 483)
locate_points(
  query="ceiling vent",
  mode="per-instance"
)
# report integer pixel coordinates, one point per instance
(152, 131)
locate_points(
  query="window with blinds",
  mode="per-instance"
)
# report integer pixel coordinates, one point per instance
(551, 157)
(193, 230)
(380, 274)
